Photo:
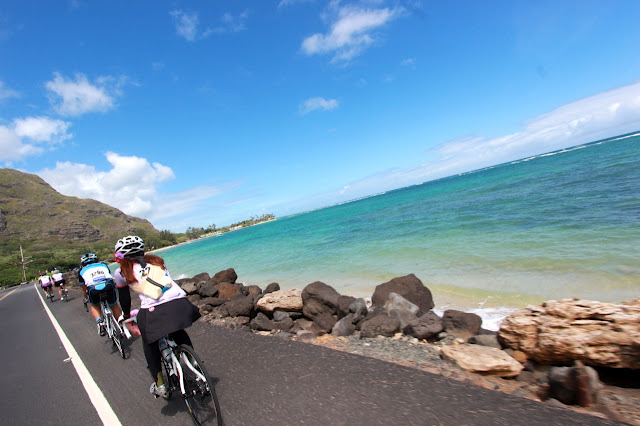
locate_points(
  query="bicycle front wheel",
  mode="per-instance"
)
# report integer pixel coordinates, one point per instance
(116, 335)
(200, 395)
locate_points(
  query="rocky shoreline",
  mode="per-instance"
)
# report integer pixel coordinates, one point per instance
(576, 354)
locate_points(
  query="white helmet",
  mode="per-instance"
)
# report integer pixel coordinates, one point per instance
(130, 246)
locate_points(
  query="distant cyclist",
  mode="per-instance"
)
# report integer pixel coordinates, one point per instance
(164, 307)
(45, 282)
(58, 280)
(95, 279)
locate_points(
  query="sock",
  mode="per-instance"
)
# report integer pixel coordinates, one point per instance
(99, 320)
(160, 380)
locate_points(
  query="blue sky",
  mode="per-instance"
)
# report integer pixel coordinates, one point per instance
(202, 112)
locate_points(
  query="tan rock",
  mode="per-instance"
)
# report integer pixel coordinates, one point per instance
(568, 330)
(482, 360)
(519, 356)
(281, 300)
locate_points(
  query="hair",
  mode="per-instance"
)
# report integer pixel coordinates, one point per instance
(126, 265)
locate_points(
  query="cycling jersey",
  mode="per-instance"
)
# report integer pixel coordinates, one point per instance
(95, 275)
(45, 280)
(57, 276)
(175, 292)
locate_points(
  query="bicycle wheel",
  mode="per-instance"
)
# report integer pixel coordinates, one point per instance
(116, 335)
(200, 395)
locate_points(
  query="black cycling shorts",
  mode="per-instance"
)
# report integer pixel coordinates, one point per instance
(108, 288)
(59, 283)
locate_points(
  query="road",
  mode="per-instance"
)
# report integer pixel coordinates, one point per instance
(259, 379)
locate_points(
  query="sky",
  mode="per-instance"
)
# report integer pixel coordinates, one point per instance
(193, 113)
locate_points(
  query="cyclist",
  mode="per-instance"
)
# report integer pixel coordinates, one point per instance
(58, 280)
(45, 282)
(168, 314)
(95, 279)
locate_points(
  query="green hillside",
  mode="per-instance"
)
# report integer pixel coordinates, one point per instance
(55, 230)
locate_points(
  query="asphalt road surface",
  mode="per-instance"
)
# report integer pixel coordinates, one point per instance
(259, 380)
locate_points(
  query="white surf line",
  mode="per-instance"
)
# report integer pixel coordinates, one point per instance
(106, 413)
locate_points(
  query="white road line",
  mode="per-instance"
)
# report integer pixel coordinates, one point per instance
(96, 396)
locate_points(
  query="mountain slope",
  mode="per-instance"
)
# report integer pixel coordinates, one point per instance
(55, 229)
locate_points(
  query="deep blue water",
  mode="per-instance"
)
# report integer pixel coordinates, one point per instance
(562, 224)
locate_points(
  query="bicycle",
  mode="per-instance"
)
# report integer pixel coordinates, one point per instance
(65, 294)
(86, 306)
(186, 374)
(50, 293)
(111, 325)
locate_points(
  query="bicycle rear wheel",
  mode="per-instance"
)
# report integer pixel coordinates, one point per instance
(200, 395)
(116, 335)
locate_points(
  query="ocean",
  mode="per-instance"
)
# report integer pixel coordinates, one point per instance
(557, 225)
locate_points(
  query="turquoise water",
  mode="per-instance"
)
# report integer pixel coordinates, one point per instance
(562, 224)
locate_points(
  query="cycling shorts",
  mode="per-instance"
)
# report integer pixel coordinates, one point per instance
(45, 285)
(59, 283)
(107, 287)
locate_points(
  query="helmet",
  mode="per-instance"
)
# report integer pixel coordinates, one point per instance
(130, 246)
(88, 258)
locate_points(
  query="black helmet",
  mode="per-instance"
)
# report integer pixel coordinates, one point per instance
(88, 258)
(130, 245)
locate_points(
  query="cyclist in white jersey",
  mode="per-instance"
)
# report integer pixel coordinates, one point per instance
(58, 280)
(45, 282)
(95, 279)
(167, 314)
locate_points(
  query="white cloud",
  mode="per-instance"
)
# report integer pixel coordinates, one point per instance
(6, 93)
(186, 24)
(31, 136)
(351, 31)
(233, 24)
(284, 3)
(604, 115)
(313, 104)
(76, 97)
(131, 184)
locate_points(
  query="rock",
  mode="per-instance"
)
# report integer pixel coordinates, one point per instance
(482, 360)
(490, 340)
(404, 316)
(358, 305)
(226, 290)
(409, 287)
(281, 300)
(305, 336)
(200, 279)
(194, 297)
(574, 385)
(188, 286)
(344, 302)
(261, 323)
(207, 289)
(461, 324)
(379, 325)
(271, 288)
(226, 276)
(520, 356)
(324, 322)
(559, 332)
(428, 326)
(253, 289)
(319, 298)
(397, 302)
(344, 326)
(240, 306)
(280, 316)
(283, 325)
(303, 324)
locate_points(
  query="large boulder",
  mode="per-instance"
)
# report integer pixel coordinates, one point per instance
(427, 326)
(561, 332)
(579, 385)
(319, 298)
(482, 360)
(226, 290)
(281, 300)
(240, 306)
(461, 324)
(380, 325)
(226, 276)
(409, 287)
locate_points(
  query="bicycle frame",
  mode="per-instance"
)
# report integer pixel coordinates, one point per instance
(178, 368)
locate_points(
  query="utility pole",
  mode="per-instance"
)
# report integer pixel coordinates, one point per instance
(24, 262)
